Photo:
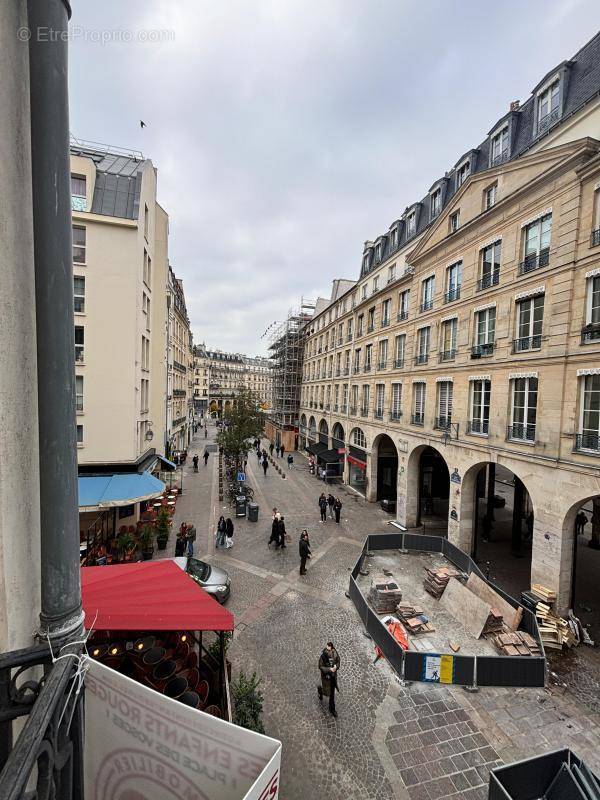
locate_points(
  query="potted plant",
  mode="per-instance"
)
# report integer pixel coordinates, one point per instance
(146, 539)
(163, 528)
(125, 545)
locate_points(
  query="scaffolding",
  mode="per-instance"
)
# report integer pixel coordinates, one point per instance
(286, 354)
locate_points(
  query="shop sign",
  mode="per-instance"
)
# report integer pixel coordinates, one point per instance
(360, 464)
(341, 451)
(142, 744)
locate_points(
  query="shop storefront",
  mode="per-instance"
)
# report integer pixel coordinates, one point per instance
(357, 469)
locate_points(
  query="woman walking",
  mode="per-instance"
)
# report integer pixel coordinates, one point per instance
(337, 507)
(229, 532)
(221, 532)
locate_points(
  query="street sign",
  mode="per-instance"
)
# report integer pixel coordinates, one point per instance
(241, 477)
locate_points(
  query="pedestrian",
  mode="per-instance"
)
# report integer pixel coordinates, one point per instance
(195, 460)
(275, 530)
(271, 448)
(304, 549)
(323, 507)
(190, 538)
(221, 532)
(205, 457)
(290, 461)
(180, 543)
(206, 431)
(580, 522)
(311, 465)
(330, 503)
(277, 450)
(259, 456)
(282, 532)
(281, 449)
(329, 664)
(245, 464)
(265, 465)
(337, 507)
(229, 533)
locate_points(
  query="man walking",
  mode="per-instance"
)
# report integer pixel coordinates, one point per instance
(290, 461)
(337, 507)
(195, 460)
(265, 465)
(205, 457)
(190, 537)
(281, 449)
(580, 523)
(271, 448)
(277, 450)
(282, 532)
(304, 548)
(323, 507)
(275, 529)
(330, 504)
(329, 664)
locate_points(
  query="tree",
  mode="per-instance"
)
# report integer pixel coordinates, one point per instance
(241, 424)
(247, 702)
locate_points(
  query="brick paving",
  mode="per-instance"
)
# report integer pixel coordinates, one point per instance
(415, 742)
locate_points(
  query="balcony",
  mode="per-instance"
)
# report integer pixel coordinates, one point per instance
(453, 294)
(338, 372)
(382, 365)
(590, 333)
(378, 413)
(367, 368)
(352, 411)
(595, 238)
(346, 370)
(546, 121)
(178, 421)
(349, 337)
(340, 341)
(443, 423)
(336, 407)
(500, 158)
(179, 367)
(425, 306)
(422, 358)
(526, 343)
(79, 356)
(399, 363)
(478, 427)
(535, 261)
(179, 393)
(521, 432)
(402, 315)
(385, 322)
(482, 350)
(588, 441)
(330, 373)
(493, 279)
(395, 416)
(447, 355)
(327, 406)
(370, 328)
(417, 419)
(364, 412)
(321, 405)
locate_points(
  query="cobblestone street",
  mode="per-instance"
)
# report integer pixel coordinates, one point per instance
(419, 742)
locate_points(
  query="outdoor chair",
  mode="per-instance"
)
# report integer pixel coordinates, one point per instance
(190, 699)
(175, 687)
(214, 711)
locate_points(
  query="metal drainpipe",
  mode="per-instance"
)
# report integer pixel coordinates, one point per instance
(61, 611)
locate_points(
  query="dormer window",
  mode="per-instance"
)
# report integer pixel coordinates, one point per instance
(462, 173)
(379, 251)
(411, 224)
(548, 104)
(500, 146)
(436, 203)
(394, 238)
(366, 262)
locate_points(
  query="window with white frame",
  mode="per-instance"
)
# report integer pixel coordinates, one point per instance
(592, 301)
(418, 410)
(589, 436)
(399, 351)
(347, 362)
(379, 400)
(366, 259)
(524, 409)
(411, 224)
(386, 313)
(79, 294)
(490, 265)
(338, 365)
(79, 393)
(436, 203)
(354, 399)
(462, 173)
(536, 243)
(366, 397)
(453, 282)
(357, 360)
(365, 289)
(530, 316)
(449, 332)
(444, 398)
(500, 147)
(80, 435)
(422, 346)
(345, 397)
(396, 411)
(454, 222)
(403, 302)
(489, 196)
(350, 329)
(368, 357)
(375, 284)
(79, 344)
(427, 292)
(337, 396)
(485, 327)
(394, 238)
(379, 251)
(78, 192)
(391, 273)
(79, 244)
(371, 320)
(382, 355)
(479, 422)
(548, 105)
(358, 438)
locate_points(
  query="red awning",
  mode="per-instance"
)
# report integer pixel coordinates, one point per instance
(149, 596)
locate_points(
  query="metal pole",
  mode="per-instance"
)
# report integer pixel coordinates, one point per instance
(61, 613)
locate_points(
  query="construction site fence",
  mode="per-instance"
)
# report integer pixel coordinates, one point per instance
(462, 670)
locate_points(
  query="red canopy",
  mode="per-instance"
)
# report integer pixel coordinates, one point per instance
(149, 596)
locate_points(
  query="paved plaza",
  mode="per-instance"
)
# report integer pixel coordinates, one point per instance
(418, 742)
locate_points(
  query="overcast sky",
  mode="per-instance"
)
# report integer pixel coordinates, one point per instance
(287, 132)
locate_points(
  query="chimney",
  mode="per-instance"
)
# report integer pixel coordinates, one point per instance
(514, 106)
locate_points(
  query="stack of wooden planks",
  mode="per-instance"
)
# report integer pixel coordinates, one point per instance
(384, 597)
(545, 595)
(413, 618)
(555, 632)
(436, 580)
(516, 643)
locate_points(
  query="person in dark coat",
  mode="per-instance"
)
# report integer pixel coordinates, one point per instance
(323, 507)
(221, 531)
(330, 503)
(277, 450)
(281, 530)
(205, 457)
(275, 531)
(265, 465)
(229, 527)
(580, 522)
(271, 448)
(304, 548)
(337, 508)
(281, 449)
(195, 460)
(180, 544)
(329, 664)
(259, 456)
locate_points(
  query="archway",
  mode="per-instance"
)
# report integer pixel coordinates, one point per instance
(582, 526)
(312, 430)
(428, 491)
(324, 432)
(385, 457)
(497, 519)
(337, 436)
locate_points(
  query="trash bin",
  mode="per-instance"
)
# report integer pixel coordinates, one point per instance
(252, 512)
(240, 505)
(389, 506)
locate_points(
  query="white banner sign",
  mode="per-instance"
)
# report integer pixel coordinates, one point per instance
(141, 745)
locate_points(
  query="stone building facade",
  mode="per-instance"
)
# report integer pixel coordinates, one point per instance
(180, 412)
(460, 377)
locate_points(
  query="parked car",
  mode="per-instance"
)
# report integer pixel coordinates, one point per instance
(214, 580)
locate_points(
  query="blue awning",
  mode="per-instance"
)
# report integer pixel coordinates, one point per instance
(166, 464)
(107, 491)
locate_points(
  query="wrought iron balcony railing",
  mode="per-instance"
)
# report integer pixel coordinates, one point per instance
(545, 122)
(526, 343)
(417, 419)
(398, 363)
(520, 431)
(588, 441)
(385, 322)
(378, 413)
(500, 158)
(443, 423)
(353, 411)
(402, 315)
(346, 370)
(395, 416)
(382, 365)
(422, 358)
(370, 328)
(535, 261)
(595, 238)
(480, 427)
(426, 305)
(590, 332)
(367, 368)
(453, 294)
(492, 279)
(447, 355)
(364, 412)
(349, 337)
(482, 350)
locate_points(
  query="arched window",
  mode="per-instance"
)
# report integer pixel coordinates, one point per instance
(358, 438)
(323, 432)
(303, 421)
(312, 428)
(337, 435)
